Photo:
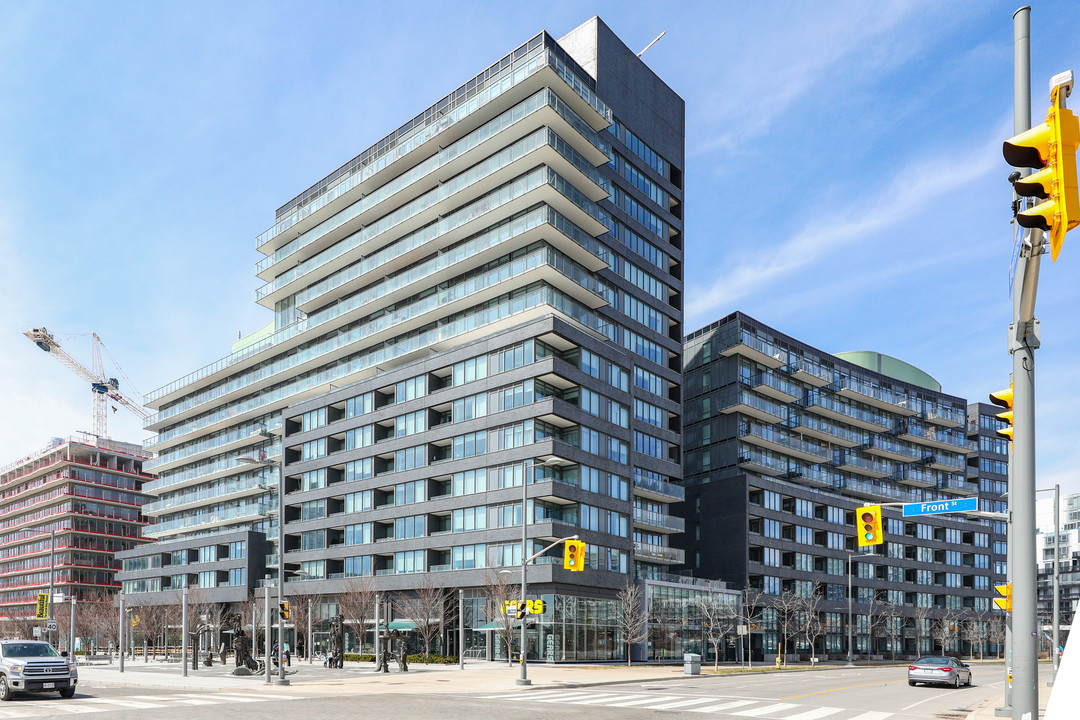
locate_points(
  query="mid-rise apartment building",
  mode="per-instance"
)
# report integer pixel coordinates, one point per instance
(64, 511)
(491, 295)
(1068, 570)
(784, 441)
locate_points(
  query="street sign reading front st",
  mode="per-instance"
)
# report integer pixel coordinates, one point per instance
(941, 506)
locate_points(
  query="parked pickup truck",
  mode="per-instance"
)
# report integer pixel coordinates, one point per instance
(32, 666)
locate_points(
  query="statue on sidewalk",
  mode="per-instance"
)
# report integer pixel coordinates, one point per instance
(241, 643)
(336, 656)
(394, 643)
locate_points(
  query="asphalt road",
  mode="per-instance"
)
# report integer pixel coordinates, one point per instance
(845, 694)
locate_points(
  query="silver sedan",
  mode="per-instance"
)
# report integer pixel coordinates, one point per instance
(939, 671)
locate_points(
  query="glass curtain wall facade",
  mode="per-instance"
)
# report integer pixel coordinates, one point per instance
(500, 281)
(783, 443)
(90, 494)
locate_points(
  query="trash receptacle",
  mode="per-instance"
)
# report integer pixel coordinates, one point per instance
(691, 664)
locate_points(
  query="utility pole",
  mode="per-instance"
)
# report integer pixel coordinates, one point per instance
(461, 629)
(183, 631)
(266, 602)
(123, 633)
(71, 627)
(378, 645)
(1057, 577)
(850, 617)
(524, 679)
(52, 572)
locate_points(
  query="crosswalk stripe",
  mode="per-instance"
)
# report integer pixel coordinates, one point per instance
(75, 709)
(564, 697)
(814, 713)
(121, 702)
(10, 714)
(597, 699)
(722, 706)
(524, 695)
(642, 700)
(872, 715)
(683, 703)
(176, 699)
(767, 710)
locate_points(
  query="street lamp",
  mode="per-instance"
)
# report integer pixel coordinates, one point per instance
(850, 617)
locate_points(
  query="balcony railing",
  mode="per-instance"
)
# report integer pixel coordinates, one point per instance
(660, 487)
(657, 519)
(659, 553)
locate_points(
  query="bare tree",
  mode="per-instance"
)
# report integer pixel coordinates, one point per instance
(663, 624)
(425, 606)
(303, 609)
(500, 592)
(21, 627)
(945, 629)
(787, 605)
(894, 624)
(996, 630)
(876, 617)
(975, 630)
(357, 602)
(750, 615)
(922, 617)
(809, 607)
(632, 619)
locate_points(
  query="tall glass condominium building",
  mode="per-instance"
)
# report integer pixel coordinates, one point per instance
(502, 275)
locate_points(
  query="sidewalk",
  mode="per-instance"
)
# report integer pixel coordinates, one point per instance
(986, 710)
(304, 679)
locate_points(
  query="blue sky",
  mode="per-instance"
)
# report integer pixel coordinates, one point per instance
(844, 179)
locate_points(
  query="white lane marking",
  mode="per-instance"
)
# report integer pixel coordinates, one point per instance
(683, 703)
(523, 695)
(642, 700)
(75, 709)
(597, 699)
(932, 697)
(767, 710)
(175, 699)
(234, 697)
(723, 706)
(873, 715)
(815, 713)
(122, 702)
(6, 714)
(565, 697)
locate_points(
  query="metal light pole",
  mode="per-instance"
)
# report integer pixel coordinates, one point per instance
(378, 646)
(267, 587)
(1057, 576)
(183, 632)
(461, 629)
(71, 627)
(1023, 340)
(850, 617)
(524, 679)
(123, 628)
(281, 679)
(52, 571)
(310, 637)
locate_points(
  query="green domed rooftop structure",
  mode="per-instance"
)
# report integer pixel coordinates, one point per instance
(888, 365)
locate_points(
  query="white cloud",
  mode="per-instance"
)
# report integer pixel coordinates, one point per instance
(757, 263)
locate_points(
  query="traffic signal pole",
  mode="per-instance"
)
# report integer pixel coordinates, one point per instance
(1023, 340)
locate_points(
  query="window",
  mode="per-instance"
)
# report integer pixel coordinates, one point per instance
(360, 405)
(409, 527)
(313, 419)
(590, 401)
(358, 501)
(469, 482)
(618, 378)
(473, 406)
(237, 550)
(359, 437)
(313, 540)
(358, 470)
(358, 534)
(467, 557)
(313, 480)
(313, 449)
(410, 458)
(649, 413)
(208, 579)
(410, 423)
(410, 492)
(618, 451)
(466, 519)
(590, 363)
(359, 566)
(650, 382)
(470, 370)
(508, 515)
(208, 553)
(313, 510)
(238, 576)
(649, 445)
(410, 389)
(470, 444)
(410, 561)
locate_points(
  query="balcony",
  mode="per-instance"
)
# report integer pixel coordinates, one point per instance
(255, 511)
(808, 372)
(893, 449)
(823, 404)
(946, 416)
(941, 438)
(823, 429)
(811, 476)
(658, 489)
(755, 461)
(747, 403)
(957, 485)
(659, 553)
(661, 522)
(916, 476)
(784, 441)
(848, 460)
(870, 394)
(874, 490)
(947, 462)
(776, 387)
(737, 341)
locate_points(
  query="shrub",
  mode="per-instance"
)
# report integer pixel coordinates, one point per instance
(354, 657)
(433, 659)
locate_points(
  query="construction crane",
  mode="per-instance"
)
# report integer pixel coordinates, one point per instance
(102, 388)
